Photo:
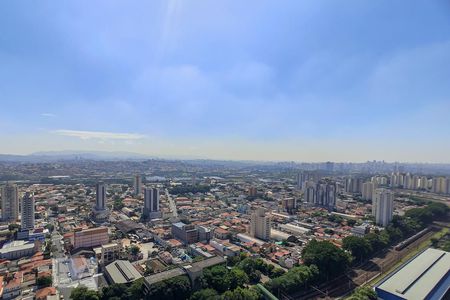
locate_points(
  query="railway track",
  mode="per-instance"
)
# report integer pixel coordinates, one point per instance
(359, 275)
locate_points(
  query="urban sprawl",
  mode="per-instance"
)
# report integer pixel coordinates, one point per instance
(168, 229)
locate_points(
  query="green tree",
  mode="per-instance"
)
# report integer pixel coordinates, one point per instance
(215, 278)
(205, 294)
(50, 227)
(82, 293)
(295, 279)
(327, 257)
(422, 215)
(241, 294)
(359, 247)
(116, 289)
(134, 250)
(377, 241)
(363, 293)
(171, 289)
(438, 210)
(44, 281)
(236, 278)
(135, 291)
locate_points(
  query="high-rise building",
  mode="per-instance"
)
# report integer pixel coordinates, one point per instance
(438, 185)
(325, 195)
(27, 212)
(10, 203)
(353, 185)
(447, 184)
(151, 203)
(100, 197)
(407, 182)
(423, 182)
(367, 190)
(393, 180)
(137, 185)
(415, 182)
(289, 204)
(310, 192)
(260, 224)
(383, 206)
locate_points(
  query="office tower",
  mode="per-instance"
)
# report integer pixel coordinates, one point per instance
(367, 190)
(260, 224)
(100, 197)
(137, 185)
(27, 213)
(383, 206)
(151, 203)
(10, 203)
(310, 192)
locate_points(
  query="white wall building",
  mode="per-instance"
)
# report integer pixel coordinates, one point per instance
(383, 206)
(260, 224)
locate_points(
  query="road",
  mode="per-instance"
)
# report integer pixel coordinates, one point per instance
(57, 248)
(173, 207)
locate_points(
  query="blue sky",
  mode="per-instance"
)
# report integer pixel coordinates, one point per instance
(291, 80)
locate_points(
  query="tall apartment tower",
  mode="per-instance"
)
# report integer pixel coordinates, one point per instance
(151, 203)
(383, 206)
(423, 182)
(367, 190)
(137, 185)
(260, 224)
(310, 192)
(10, 203)
(100, 197)
(325, 195)
(27, 213)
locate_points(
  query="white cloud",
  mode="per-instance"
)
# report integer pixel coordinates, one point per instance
(48, 115)
(100, 135)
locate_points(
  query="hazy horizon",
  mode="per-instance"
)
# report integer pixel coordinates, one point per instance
(304, 81)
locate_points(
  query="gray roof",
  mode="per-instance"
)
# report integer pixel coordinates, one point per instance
(418, 277)
(164, 275)
(200, 265)
(122, 271)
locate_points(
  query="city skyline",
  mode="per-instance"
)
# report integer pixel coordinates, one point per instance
(306, 81)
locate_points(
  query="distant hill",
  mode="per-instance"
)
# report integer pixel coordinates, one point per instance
(49, 156)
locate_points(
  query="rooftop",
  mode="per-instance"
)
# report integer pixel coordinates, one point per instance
(426, 274)
(122, 271)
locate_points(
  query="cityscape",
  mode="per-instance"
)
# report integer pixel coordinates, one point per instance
(224, 150)
(212, 228)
